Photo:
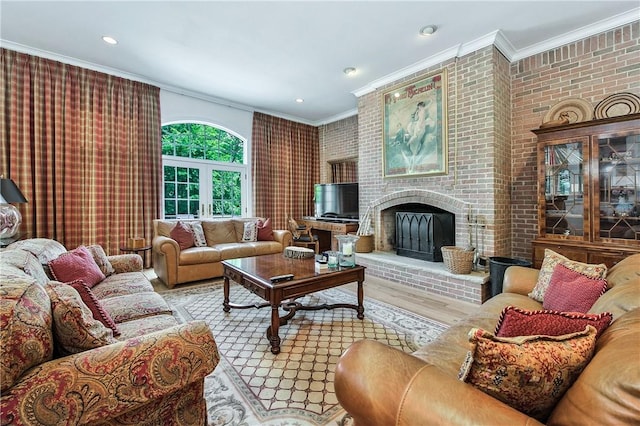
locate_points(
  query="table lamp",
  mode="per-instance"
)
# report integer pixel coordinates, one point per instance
(10, 216)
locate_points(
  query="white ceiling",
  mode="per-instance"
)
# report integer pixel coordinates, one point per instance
(262, 55)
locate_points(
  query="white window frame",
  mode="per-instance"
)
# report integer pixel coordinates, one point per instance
(206, 167)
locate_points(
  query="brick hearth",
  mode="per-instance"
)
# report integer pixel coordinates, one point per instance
(431, 277)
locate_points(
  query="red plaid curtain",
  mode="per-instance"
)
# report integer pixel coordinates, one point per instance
(84, 148)
(344, 172)
(285, 167)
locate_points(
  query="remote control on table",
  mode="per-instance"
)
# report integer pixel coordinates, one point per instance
(284, 277)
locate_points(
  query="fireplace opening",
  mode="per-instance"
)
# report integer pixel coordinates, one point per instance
(421, 231)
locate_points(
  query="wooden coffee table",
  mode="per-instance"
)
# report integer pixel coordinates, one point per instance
(254, 274)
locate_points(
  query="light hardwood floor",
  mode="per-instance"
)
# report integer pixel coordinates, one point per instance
(443, 309)
(439, 308)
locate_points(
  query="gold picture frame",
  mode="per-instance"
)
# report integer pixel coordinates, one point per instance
(415, 127)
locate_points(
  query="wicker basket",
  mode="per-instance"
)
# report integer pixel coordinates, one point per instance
(457, 260)
(364, 243)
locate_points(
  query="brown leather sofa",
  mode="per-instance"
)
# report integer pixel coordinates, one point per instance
(224, 241)
(380, 385)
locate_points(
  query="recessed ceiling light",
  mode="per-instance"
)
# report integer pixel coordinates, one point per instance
(349, 71)
(299, 100)
(428, 30)
(109, 40)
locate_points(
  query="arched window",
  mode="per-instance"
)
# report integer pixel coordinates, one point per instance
(204, 172)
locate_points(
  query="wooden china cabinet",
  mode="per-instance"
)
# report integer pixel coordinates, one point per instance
(588, 190)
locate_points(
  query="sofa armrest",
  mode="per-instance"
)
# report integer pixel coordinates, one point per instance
(283, 236)
(166, 254)
(165, 245)
(130, 262)
(380, 385)
(520, 280)
(103, 383)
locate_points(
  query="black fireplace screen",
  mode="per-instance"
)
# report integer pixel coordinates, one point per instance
(422, 235)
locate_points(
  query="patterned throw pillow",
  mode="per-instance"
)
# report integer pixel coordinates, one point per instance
(529, 373)
(199, 238)
(101, 259)
(77, 264)
(265, 230)
(74, 327)
(94, 305)
(515, 322)
(25, 335)
(570, 291)
(183, 235)
(551, 259)
(250, 233)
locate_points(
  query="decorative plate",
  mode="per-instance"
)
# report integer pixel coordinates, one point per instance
(573, 109)
(617, 105)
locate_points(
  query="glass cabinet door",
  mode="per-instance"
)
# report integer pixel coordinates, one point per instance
(564, 189)
(619, 179)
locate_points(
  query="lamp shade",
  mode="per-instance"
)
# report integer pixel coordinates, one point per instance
(10, 192)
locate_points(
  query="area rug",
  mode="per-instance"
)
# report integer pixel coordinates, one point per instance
(252, 386)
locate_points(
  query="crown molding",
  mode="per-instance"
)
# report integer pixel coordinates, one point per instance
(336, 117)
(579, 34)
(407, 71)
(496, 38)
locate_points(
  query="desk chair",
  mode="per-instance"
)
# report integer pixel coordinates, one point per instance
(302, 236)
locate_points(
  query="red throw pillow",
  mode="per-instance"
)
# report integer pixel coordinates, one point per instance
(570, 291)
(515, 322)
(265, 231)
(77, 264)
(94, 305)
(183, 235)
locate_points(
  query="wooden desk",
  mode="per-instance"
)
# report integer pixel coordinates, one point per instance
(326, 232)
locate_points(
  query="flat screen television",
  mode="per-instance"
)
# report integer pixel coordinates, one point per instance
(336, 200)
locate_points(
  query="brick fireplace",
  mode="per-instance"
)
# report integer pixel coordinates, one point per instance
(430, 276)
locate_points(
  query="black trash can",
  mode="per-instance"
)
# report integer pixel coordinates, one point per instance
(497, 267)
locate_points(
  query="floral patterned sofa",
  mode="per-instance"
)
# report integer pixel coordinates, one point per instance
(117, 357)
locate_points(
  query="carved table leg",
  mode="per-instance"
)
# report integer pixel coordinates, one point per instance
(225, 303)
(360, 300)
(272, 331)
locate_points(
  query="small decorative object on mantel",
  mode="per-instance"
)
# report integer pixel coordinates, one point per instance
(617, 105)
(575, 110)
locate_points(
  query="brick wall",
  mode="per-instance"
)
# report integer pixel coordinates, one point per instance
(338, 142)
(591, 69)
(478, 162)
(491, 148)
